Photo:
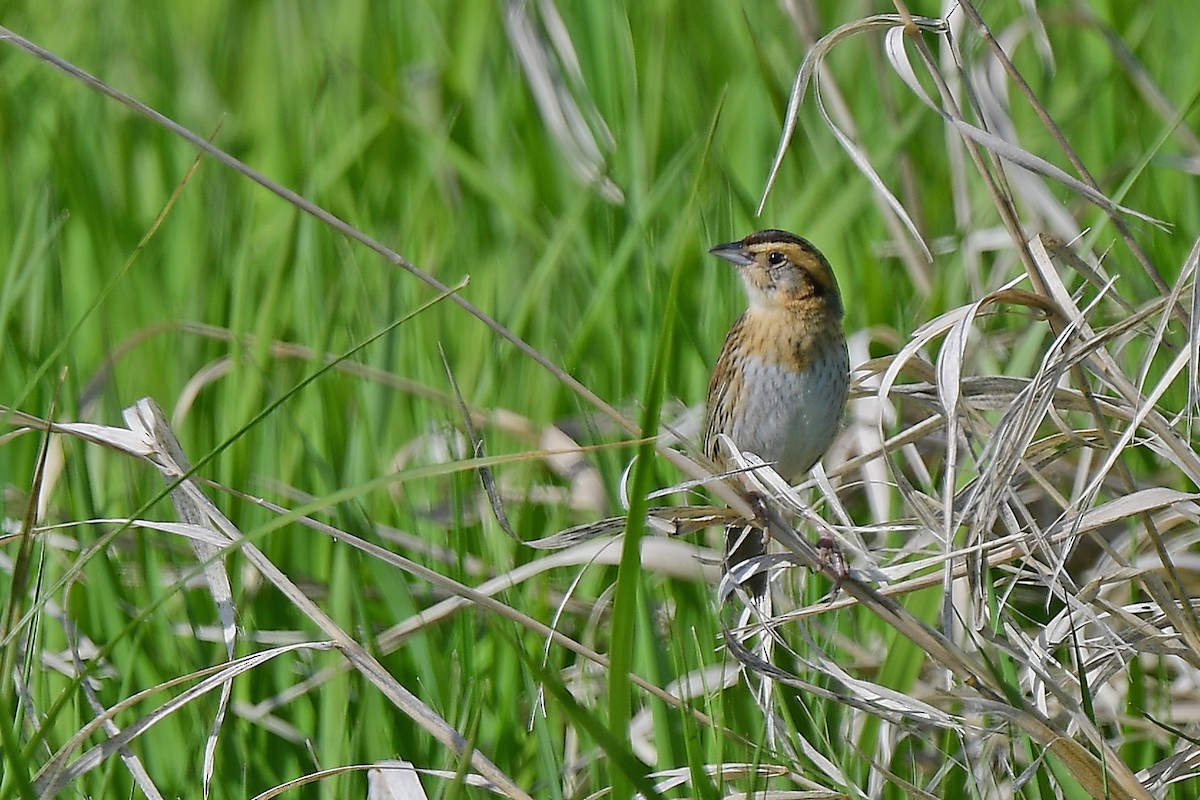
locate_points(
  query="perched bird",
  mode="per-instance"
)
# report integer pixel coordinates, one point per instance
(780, 383)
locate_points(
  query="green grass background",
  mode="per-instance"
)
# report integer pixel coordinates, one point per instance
(413, 122)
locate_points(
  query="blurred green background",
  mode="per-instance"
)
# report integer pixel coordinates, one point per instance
(416, 122)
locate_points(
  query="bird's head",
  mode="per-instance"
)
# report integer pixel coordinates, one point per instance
(782, 271)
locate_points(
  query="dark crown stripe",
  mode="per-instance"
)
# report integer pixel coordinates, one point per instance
(776, 236)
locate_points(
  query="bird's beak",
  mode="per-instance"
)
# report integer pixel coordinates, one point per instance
(734, 253)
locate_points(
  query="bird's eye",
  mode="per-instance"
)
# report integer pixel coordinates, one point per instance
(776, 258)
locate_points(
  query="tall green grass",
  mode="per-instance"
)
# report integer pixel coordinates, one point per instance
(126, 276)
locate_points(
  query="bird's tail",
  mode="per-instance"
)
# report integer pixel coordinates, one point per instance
(743, 546)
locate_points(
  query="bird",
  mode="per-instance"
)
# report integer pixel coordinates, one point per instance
(780, 383)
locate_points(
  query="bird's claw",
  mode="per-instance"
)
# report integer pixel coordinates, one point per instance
(829, 554)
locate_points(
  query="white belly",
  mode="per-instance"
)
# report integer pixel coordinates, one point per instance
(791, 418)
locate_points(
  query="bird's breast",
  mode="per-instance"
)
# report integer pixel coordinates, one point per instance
(789, 409)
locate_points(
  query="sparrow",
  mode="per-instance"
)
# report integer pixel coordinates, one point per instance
(780, 383)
